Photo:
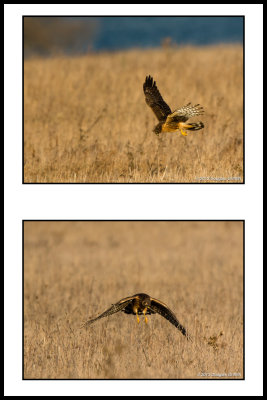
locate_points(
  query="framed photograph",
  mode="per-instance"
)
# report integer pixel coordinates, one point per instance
(90, 84)
(129, 300)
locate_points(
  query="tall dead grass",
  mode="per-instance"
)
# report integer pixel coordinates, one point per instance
(74, 270)
(85, 118)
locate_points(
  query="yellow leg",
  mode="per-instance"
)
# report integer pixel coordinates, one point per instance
(183, 132)
(144, 312)
(138, 320)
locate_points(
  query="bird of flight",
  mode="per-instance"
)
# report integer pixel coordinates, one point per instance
(170, 121)
(138, 304)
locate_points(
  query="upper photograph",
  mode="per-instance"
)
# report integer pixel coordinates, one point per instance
(133, 99)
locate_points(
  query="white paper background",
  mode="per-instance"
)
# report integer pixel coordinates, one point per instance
(133, 202)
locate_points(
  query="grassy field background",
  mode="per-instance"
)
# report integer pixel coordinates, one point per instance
(76, 270)
(86, 120)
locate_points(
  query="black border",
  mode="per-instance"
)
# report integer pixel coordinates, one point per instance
(135, 220)
(133, 183)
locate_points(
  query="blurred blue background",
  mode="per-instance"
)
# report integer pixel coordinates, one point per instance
(46, 35)
(121, 33)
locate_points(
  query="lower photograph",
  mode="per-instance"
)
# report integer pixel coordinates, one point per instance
(133, 299)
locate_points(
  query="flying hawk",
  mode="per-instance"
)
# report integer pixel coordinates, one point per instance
(168, 121)
(138, 304)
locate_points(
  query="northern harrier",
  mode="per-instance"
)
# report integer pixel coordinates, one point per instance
(168, 121)
(139, 304)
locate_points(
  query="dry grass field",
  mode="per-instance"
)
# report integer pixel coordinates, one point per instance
(75, 270)
(86, 120)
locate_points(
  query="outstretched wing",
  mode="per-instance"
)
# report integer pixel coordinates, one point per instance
(186, 112)
(119, 306)
(165, 312)
(154, 99)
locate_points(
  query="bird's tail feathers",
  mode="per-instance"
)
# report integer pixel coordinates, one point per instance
(192, 126)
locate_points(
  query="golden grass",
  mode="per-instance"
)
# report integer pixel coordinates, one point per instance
(86, 120)
(75, 270)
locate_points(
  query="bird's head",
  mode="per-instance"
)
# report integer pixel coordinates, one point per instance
(157, 129)
(146, 302)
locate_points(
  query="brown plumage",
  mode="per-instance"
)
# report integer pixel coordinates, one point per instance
(168, 121)
(141, 303)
